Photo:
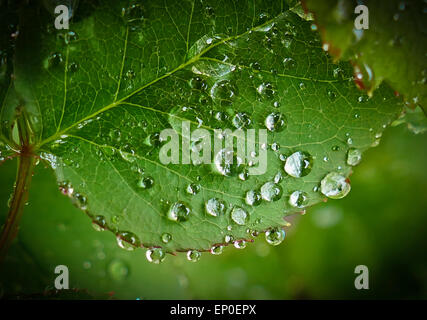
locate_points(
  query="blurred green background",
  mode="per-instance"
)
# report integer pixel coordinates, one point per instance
(382, 224)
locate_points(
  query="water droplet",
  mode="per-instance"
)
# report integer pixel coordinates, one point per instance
(298, 164)
(73, 67)
(193, 188)
(193, 255)
(275, 121)
(179, 211)
(298, 199)
(146, 182)
(99, 223)
(54, 59)
(227, 163)
(198, 83)
(239, 244)
(275, 236)
(80, 201)
(134, 16)
(354, 156)
(266, 90)
(127, 240)
(223, 92)
(216, 250)
(239, 216)
(241, 120)
(215, 207)
(335, 186)
(166, 237)
(155, 255)
(289, 63)
(253, 198)
(271, 191)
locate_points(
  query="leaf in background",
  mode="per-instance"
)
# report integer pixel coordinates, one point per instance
(104, 90)
(393, 49)
(416, 120)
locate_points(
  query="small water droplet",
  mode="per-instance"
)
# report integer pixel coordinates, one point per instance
(239, 244)
(146, 182)
(166, 237)
(193, 188)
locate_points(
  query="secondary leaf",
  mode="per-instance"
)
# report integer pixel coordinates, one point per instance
(104, 90)
(392, 49)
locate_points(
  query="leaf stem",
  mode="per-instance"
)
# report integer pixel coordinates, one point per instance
(26, 164)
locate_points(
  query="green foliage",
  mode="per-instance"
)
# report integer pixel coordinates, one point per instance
(99, 94)
(392, 49)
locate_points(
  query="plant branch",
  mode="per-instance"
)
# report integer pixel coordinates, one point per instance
(26, 163)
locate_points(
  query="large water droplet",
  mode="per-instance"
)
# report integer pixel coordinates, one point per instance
(298, 164)
(335, 186)
(215, 207)
(155, 255)
(271, 191)
(179, 211)
(275, 236)
(239, 216)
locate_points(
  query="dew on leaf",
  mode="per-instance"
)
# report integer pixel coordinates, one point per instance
(193, 255)
(354, 156)
(289, 63)
(253, 197)
(228, 163)
(215, 207)
(166, 237)
(335, 186)
(271, 191)
(223, 92)
(239, 216)
(275, 236)
(266, 90)
(241, 120)
(275, 122)
(193, 188)
(99, 223)
(298, 199)
(155, 255)
(179, 211)
(146, 182)
(298, 164)
(216, 250)
(239, 244)
(127, 240)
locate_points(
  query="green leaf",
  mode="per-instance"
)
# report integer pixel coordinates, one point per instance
(392, 49)
(101, 92)
(415, 120)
